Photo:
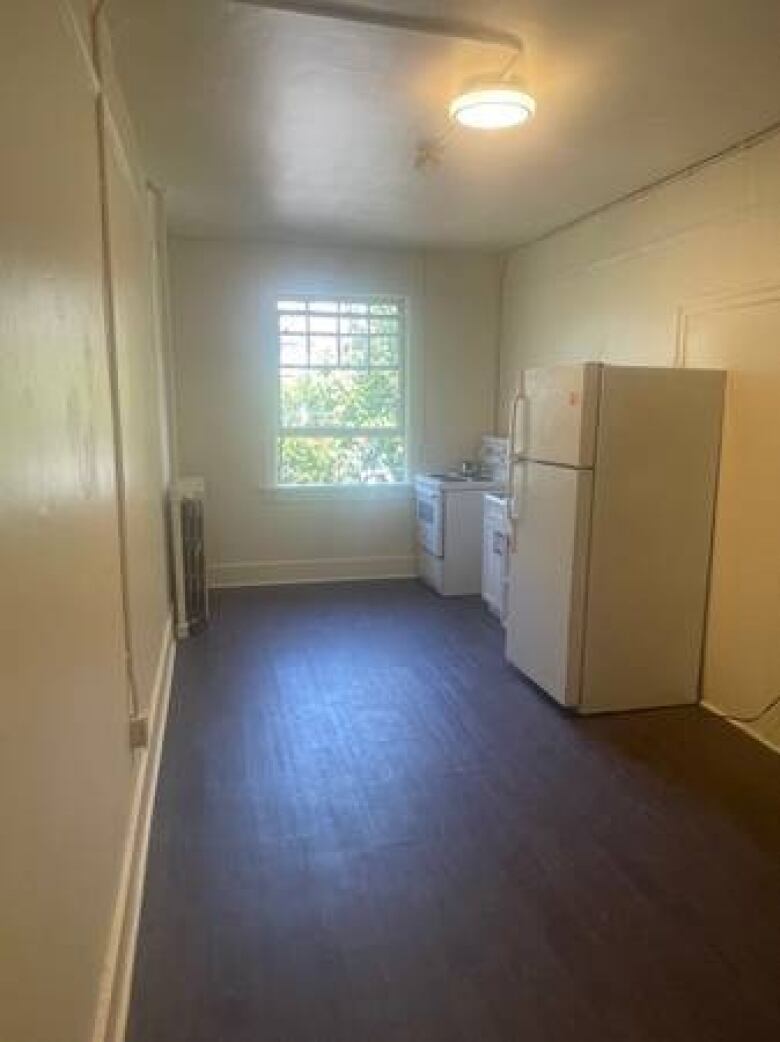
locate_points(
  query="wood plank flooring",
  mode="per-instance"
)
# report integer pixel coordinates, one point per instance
(369, 829)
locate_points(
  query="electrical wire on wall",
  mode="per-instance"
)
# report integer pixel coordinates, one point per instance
(756, 716)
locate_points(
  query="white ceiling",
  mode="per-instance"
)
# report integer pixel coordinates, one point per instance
(260, 123)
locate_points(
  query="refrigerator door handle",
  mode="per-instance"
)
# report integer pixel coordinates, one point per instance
(514, 501)
(517, 425)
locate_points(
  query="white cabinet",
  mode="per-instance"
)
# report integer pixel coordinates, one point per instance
(495, 554)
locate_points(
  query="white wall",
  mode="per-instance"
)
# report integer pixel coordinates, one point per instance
(72, 793)
(223, 306)
(689, 274)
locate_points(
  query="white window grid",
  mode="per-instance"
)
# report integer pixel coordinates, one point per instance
(310, 306)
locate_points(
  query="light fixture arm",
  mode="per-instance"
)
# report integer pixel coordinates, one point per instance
(433, 25)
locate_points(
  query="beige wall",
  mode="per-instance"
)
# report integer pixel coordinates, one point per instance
(223, 305)
(68, 780)
(690, 274)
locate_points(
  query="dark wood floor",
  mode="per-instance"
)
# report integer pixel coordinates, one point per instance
(368, 829)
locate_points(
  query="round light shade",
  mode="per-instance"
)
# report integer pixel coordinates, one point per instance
(492, 106)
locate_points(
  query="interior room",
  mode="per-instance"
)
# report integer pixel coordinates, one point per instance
(390, 521)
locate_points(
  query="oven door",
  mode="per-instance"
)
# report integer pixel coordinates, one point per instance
(430, 522)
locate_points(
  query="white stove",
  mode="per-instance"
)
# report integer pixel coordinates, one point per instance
(449, 522)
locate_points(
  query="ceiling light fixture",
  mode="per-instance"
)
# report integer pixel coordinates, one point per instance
(493, 105)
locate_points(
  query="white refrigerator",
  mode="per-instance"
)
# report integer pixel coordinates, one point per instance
(612, 484)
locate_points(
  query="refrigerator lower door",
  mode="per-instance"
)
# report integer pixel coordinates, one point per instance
(547, 576)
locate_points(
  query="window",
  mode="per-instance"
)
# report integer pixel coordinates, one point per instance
(341, 390)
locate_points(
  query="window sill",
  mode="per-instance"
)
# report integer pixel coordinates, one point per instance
(401, 490)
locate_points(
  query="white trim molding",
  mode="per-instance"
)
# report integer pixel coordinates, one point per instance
(729, 300)
(116, 979)
(327, 569)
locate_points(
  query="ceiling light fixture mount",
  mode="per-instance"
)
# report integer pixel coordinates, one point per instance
(493, 105)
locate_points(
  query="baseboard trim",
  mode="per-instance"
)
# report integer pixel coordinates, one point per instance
(326, 569)
(116, 982)
(749, 729)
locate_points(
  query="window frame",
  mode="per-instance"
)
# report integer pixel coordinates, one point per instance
(402, 369)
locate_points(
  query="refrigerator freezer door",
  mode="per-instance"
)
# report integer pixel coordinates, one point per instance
(548, 566)
(555, 416)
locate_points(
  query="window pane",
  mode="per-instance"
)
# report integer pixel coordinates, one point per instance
(293, 350)
(354, 325)
(323, 324)
(354, 350)
(292, 323)
(324, 305)
(339, 398)
(384, 350)
(384, 308)
(353, 307)
(291, 305)
(384, 325)
(324, 350)
(329, 461)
